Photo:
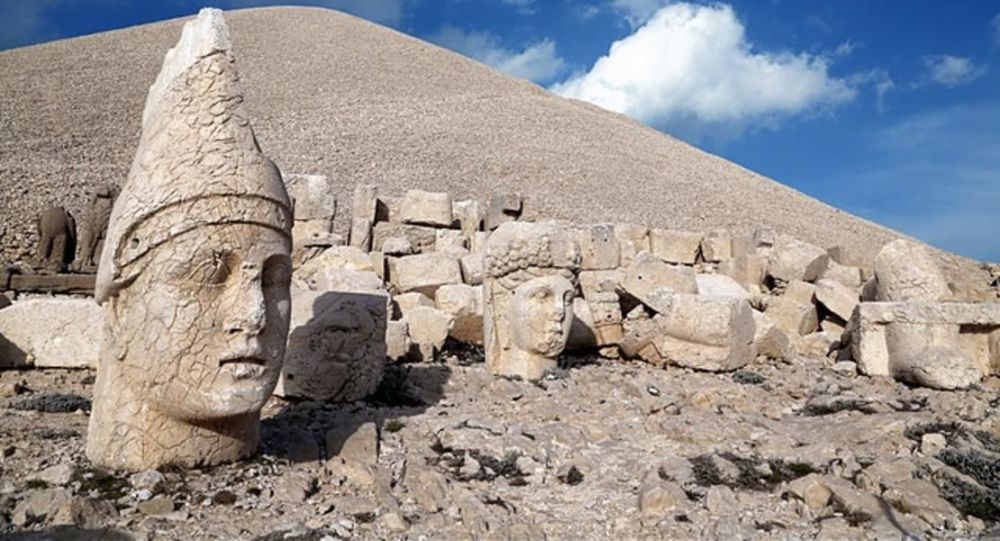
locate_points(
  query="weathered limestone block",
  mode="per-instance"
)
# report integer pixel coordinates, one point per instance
(845, 275)
(792, 259)
(470, 215)
(194, 274)
(905, 271)
(598, 247)
(720, 285)
(503, 209)
(530, 283)
(603, 305)
(429, 329)
(364, 205)
(741, 245)
(648, 275)
(472, 269)
(771, 341)
(465, 304)
(801, 292)
(477, 244)
(792, 316)
(56, 239)
(748, 270)
(583, 332)
(426, 208)
(846, 257)
(817, 344)
(315, 273)
(425, 272)
(834, 325)
(451, 241)
(397, 339)
(679, 247)
(50, 333)
(717, 246)
(398, 246)
(641, 335)
(422, 238)
(312, 197)
(404, 302)
(925, 342)
(632, 239)
(837, 298)
(337, 345)
(360, 235)
(764, 241)
(708, 333)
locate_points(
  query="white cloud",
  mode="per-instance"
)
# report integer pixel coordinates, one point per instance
(952, 71)
(845, 48)
(538, 62)
(525, 7)
(879, 80)
(637, 12)
(691, 69)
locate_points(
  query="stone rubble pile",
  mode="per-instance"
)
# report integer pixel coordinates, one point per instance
(409, 277)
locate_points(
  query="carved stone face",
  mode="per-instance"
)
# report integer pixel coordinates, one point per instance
(541, 315)
(201, 331)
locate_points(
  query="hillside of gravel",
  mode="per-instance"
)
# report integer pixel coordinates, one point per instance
(332, 94)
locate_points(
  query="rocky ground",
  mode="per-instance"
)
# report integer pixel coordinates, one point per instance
(599, 450)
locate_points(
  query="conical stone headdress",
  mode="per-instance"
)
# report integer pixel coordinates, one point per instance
(198, 162)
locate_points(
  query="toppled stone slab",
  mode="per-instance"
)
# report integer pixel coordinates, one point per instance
(905, 339)
(707, 333)
(632, 239)
(837, 298)
(599, 248)
(792, 316)
(648, 274)
(50, 333)
(720, 285)
(425, 273)
(465, 304)
(792, 259)
(422, 238)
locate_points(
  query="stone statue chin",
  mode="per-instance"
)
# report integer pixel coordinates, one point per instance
(194, 273)
(528, 297)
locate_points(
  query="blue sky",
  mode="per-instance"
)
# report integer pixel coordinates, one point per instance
(889, 110)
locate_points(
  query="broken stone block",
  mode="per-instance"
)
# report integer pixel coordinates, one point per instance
(465, 303)
(792, 259)
(425, 272)
(472, 269)
(632, 239)
(398, 246)
(397, 339)
(312, 197)
(771, 341)
(793, 317)
(50, 333)
(470, 215)
(364, 202)
(707, 333)
(672, 246)
(503, 209)
(422, 238)
(801, 292)
(843, 274)
(717, 246)
(451, 241)
(817, 344)
(835, 326)
(742, 246)
(598, 247)
(352, 442)
(837, 298)
(905, 271)
(478, 243)
(336, 258)
(749, 270)
(764, 240)
(387, 209)
(429, 329)
(648, 273)
(603, 306)
(404, 302)
(426, 208)
(639, 339)
(360, 235)
(337, 342)
(720, 285)
(845, 256)
(922, 342)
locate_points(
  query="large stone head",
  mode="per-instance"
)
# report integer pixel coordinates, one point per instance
(530, 284)
(195, 269)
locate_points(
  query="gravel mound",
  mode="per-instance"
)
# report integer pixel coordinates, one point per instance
(332, 94)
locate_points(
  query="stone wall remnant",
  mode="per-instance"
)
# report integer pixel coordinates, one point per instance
(194, 275)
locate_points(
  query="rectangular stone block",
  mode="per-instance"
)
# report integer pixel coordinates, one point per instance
(707, 333)
(792, 259)
(749, 271)
(470, 215)
(837, 298)
(426, 208)
(451, 241)
(425, 273)
(598, 247)
(361, 233)
(465, 304)
(364, 203)
(51, 333)
(717, 246)
(502, 209)
(848, 276)
(648, 276)
(312, 197)
(422, 238)
(720, 285)
(672, 246)
(632, 239)
(793, 317)
(472, 269)
(603, 305)
(869, 321)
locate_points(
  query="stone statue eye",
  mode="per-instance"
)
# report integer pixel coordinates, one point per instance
(217, 270)
(277, 272)
(540, 294)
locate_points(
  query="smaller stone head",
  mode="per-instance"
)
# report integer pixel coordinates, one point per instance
(529, 289)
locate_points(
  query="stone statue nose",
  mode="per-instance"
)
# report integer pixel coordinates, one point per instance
(246, 312)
